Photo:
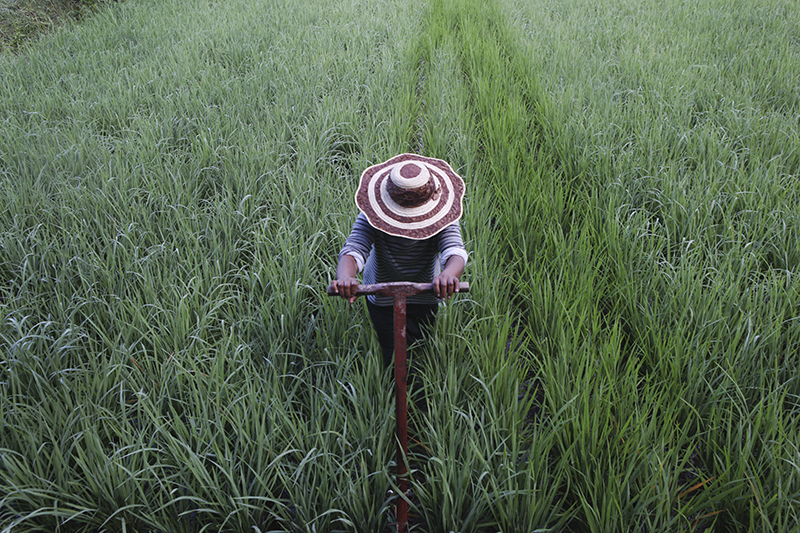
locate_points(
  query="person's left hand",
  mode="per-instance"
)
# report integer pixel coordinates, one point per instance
(445, 285)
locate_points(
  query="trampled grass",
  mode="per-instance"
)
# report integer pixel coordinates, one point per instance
(177, 180)
(22, 21)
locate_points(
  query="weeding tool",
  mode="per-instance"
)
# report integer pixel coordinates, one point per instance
(399, 291)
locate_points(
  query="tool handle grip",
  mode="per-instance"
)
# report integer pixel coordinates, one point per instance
(391, 289)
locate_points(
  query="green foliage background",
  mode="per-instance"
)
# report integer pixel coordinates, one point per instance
(176, 182)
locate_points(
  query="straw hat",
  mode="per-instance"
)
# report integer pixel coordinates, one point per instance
(411, 196)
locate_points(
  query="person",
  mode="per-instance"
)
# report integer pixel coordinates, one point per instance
(407, 230)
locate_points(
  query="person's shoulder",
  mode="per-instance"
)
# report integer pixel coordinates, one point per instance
(362, 223)
(452, 229)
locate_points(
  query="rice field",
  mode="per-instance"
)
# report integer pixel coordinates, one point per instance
(177, 180)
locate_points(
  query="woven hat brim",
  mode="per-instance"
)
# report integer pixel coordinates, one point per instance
(416, 223)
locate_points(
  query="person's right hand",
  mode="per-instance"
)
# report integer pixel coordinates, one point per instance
(346, 288)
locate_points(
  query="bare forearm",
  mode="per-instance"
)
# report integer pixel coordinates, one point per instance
(347, 267)
(454, 266)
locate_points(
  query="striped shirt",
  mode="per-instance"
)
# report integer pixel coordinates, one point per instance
(385, 258)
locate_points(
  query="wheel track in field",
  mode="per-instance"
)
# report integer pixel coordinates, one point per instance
(536, 204)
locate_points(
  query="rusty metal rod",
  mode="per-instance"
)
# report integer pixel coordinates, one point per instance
(401, 409)
(399, 291)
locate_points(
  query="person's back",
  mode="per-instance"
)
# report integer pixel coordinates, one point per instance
(407, 230)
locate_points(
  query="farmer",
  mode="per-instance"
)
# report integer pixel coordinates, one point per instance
(407, 230)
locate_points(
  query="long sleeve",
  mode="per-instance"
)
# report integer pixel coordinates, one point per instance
(386, 258)
(359, 243)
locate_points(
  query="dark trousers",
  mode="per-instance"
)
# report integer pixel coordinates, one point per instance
(419, 320)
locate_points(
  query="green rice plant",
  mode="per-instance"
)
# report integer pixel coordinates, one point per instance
(480, 467)
(569, 254)
(624, 358)
(677, 224)
(167, 233)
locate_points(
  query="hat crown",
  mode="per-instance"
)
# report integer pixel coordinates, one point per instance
(410, 196)
(411, 185)
(410, 176)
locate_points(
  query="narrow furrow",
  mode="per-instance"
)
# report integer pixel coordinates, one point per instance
(483, 113)
(535, 204)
